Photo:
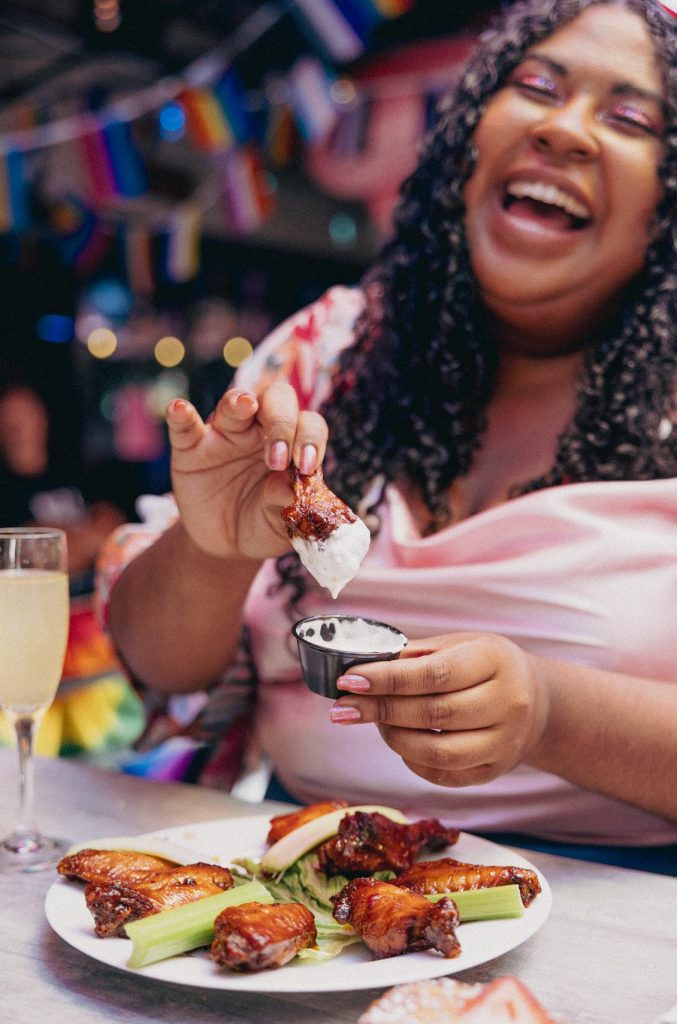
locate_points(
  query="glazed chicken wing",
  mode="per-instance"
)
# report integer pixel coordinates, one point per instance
(111, 865)
(369, 842)
(448, 875)
(115, 904)
(391, 920)
(254, 936)
(281, 824)
(316, 511)
(328, 537)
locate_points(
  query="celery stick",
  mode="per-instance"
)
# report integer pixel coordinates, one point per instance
(485, 904)
(187, 927)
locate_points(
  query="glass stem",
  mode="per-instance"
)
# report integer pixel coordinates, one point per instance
(25, 732)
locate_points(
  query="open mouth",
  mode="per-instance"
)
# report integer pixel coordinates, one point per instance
(545, 204)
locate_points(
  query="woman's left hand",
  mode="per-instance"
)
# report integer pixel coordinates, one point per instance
(459, 709)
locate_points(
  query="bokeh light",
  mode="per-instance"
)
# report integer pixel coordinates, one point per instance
(102, 342)
(343, 230)
(169, 351)
(55, 327)
(236, 350)
(343, 91)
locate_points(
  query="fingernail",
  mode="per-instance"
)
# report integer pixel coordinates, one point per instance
(279, 455)
(308, 458)
(340, 713)
(356, 684)
(178, 405)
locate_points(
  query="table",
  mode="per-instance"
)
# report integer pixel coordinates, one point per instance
(606, 955)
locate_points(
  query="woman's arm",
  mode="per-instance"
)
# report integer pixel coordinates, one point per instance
(612, 733)
(462, 709)
(175, 612)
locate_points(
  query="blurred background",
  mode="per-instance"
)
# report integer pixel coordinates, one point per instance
(176, 176)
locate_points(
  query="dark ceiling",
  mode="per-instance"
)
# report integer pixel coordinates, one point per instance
(41, 39)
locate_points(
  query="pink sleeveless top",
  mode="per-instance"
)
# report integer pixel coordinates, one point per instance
(586, 573)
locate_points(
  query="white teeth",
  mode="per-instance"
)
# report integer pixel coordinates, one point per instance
(550, 194)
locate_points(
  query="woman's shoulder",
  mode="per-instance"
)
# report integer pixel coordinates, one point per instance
(304, 348)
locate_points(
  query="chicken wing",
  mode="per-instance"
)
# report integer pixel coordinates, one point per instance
(254, 936)
(111, 865)
(329, 538)
(316, 511)
(115, 904)
(282, 824)
(390, 922)
(369, 842)
(449, 875)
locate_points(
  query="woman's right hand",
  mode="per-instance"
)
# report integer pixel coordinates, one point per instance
(228, 473)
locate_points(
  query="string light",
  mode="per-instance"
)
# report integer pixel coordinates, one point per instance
(169, 351)
(236, 350)
(107, 16)
(102, 342)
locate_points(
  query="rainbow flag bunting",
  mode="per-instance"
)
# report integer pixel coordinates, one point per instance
(14, 193)
(79, 236)
(325, 26)
(311, 100)
(97, 161)
(206, 121)
(138, 244)
(247, 198)
(127, 167)
(183, 243)
(280, 135)
(230, 96)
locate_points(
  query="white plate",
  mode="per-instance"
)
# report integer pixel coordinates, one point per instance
(218, 842)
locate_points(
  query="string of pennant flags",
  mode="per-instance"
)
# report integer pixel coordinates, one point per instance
(243, 131)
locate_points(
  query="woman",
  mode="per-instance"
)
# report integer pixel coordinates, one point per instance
(503, 410)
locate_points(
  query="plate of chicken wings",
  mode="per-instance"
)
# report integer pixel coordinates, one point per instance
(401, 934)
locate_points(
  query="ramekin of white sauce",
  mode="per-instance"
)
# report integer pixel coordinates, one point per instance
(329, 645)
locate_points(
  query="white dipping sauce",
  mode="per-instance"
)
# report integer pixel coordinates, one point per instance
(334, 561)
(354, 636)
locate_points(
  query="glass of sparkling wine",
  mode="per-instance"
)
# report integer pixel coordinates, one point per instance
(33, 634)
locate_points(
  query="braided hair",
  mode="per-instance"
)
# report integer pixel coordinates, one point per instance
(409, 396)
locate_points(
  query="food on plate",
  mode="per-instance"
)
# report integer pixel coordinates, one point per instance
(254, 936)
(114, 904)
(282, 824)
(449, 875)
(188, 927)
(369, 842)
(330, 539)
(89, 865)
(286, 851)
(505, 1000)
(334, 875)
(391, 920)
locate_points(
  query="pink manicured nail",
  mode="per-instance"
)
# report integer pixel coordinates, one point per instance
(279, 454)
(356, 684)
(339, 713)
(178, 405)
(308, 458)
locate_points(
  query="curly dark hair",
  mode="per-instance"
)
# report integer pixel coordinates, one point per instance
(404, 408)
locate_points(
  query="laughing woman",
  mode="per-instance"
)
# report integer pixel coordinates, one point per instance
(499, 401)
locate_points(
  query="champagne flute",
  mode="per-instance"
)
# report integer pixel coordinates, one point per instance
(34, 613)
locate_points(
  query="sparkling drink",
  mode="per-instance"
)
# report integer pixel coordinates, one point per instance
(34, 614)
(33, 635)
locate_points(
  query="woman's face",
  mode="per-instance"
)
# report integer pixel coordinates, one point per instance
(565, 186)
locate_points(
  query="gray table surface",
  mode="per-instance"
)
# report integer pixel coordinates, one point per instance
(606, 955)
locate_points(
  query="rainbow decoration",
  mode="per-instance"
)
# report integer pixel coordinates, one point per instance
(247, 198)
(310, 98)
(206, 121)
(79, 236)
(127, 167)
(138, 243)
(14, 194)
(183, 243)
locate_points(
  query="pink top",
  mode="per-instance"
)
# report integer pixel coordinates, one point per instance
(585, 572)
